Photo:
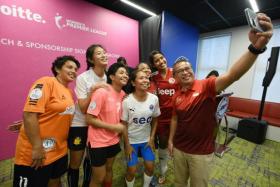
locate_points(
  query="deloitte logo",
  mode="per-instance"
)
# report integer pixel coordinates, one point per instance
(19, 12)
(64, 23)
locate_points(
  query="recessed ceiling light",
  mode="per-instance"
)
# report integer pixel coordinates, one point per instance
(138, 7)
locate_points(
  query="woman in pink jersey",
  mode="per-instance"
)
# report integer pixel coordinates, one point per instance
(165, 89)
(103, 118)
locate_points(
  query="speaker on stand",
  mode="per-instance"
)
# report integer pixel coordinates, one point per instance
(254, 129)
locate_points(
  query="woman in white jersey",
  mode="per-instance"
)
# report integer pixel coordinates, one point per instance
(140, 112)
(145, 67)
(86, 83)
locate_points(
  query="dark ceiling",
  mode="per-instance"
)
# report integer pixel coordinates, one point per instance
(207, 15)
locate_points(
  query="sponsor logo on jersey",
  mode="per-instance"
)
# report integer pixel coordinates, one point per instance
(142, 120)
(169, 92)
(132, 109)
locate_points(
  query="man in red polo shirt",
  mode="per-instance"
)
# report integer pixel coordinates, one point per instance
(191, 138)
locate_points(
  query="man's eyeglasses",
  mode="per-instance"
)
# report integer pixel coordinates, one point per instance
(181, 70)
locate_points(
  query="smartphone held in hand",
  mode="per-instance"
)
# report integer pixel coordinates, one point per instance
(252, 20)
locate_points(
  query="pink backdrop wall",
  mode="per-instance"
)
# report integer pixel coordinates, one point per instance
(33, 33)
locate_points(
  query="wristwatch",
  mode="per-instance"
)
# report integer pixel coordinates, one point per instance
(256, 51)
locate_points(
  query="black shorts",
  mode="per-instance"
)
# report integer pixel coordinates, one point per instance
(77, 138)
(98, 156)
(29, 177)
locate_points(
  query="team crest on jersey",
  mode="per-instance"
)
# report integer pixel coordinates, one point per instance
(36, 93)
(171, 80)
(49, 144)
(92, 105)
(151, 107)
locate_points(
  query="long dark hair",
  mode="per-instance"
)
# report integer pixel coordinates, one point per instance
(89, 54)
(151, 56)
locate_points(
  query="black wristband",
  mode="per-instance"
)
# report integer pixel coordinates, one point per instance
(256, 51)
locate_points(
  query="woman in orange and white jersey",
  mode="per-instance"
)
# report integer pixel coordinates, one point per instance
(41, 149)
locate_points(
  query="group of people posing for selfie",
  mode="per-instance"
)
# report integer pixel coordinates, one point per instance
(168, 109)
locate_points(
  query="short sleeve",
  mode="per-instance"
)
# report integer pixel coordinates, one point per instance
(38, 96)
(125, 110)
(97, 101)
(81, 88)
(157, 109)
(211, 86)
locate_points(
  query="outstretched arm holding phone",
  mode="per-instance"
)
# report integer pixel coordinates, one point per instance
(258, 45)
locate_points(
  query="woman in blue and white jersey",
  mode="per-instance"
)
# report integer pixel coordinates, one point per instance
(140, 112)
